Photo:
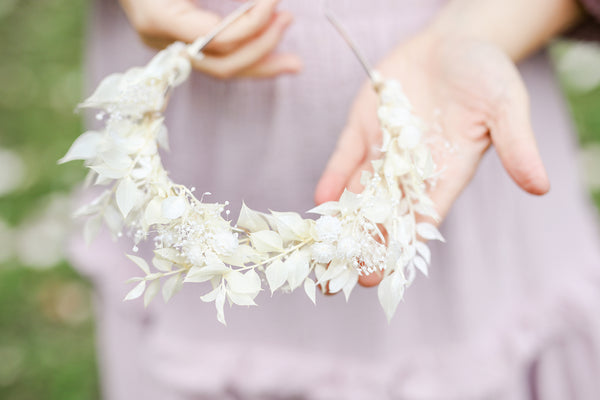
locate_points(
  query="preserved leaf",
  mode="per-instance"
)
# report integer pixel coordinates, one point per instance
(92, 228)
(140, 262)
(277, 274)
(266, 241)
(298, 268)
(172, 286)
(251, 220)
(424, 251)
(206, 272)
(310, 288)
(127, 196)
(429, 232)
(85, 147)
(173, 207)
(421, 265)
(151, 291)
(136, 291)
(390, 292)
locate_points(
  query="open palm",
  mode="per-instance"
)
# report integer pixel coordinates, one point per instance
(470, 95)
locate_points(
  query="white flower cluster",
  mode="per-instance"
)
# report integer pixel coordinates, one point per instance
(372, 232)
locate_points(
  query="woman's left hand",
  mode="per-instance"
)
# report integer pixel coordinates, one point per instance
(473, 92)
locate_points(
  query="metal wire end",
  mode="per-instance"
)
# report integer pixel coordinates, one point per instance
(199, 44)
(351, 43)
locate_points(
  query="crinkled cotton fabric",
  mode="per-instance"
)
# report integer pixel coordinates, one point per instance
(509, 311)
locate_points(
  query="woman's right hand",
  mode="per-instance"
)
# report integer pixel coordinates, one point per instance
(244, 49)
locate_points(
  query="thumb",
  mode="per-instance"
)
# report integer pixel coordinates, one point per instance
(348, 155)
(188, 22)
(513, 138)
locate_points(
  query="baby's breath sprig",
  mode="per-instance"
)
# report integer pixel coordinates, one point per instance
(374, 231)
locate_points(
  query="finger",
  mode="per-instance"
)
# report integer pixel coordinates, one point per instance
(354, 184)
(273, 65)
(513, 137)
(348, 155)
(180, 20)
(247, 26)
(185, 22)
(249, 54)
(373, 279)
(457, 170)
(155, 42)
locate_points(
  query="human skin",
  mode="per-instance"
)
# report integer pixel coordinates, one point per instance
(459, 72)
(244, 49)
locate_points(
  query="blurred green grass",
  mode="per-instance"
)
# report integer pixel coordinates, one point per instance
(46, 331)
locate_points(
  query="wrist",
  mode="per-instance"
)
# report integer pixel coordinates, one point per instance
(515, 27)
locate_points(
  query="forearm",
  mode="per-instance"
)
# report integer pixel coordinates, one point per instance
(518, 27)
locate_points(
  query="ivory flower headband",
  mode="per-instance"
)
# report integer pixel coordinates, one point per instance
(375, 230)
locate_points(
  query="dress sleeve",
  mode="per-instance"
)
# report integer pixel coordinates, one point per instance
(590, 28)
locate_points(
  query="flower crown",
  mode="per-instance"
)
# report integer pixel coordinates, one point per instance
(375, 231)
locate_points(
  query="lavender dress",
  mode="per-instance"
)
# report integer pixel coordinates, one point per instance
(511, 309)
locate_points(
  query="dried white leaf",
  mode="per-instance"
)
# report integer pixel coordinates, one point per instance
(248, 283)
(212, 295)
(243, 254)
(396, 165)
(429, 232)
(136, 291)
(162, 137)
(127, 196)
(113, 219)
(365, 177)
(320, 271)
(116, 159)
(327, 208)
(106, 174)
(427, 211)
(351, 283)
(349, 202)
(276, 274)
(106, 93)
(170, 254)
(298, 268)
(153, 212)
(173, 207)
(337, 283)
(291, 226)
(172, 286)
(421, 265)
(161, 264)
(390, 292)
(251, 220)
(266, 241)
(205, 273)
(410, 274)
(310, 288)
(85, 147)
(140, 262)
(240, 299)
(91, 228)
(151, 291)
(378, 210)
(423, 250)
(335, 268)
(219, 304)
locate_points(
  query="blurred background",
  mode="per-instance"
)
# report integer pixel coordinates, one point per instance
(46, 318)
